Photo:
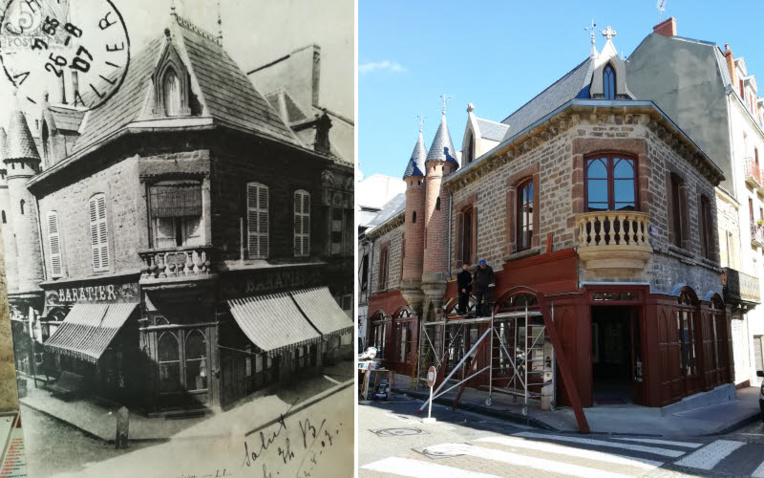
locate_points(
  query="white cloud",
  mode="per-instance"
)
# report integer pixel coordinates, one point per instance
(380, 65)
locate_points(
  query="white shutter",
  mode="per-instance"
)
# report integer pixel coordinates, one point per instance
(301, 223)
(257, 220)
(54, 240)
(99, 234)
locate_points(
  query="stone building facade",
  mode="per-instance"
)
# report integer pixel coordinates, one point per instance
(592, 201)
(189, 246)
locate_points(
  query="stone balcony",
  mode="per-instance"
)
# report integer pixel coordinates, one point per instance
(176, 264)
(614, 243)
(757, 235)
(740, 288)
(753, 174)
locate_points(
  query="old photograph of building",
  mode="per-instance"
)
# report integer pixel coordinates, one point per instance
(178, 236)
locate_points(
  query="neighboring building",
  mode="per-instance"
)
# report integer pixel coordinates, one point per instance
(588, 195)
(178, 247)
(375, 197)
(711, 95)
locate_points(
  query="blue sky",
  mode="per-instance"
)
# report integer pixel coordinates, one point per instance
(499, 54)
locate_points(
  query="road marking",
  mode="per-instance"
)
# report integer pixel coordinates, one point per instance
(542, 464)
(758, 472)
(710, 455)
(681, 444)
(589, 441)
(421, 469)
(577, 452)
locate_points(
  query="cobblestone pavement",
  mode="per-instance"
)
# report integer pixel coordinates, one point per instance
(393, 441)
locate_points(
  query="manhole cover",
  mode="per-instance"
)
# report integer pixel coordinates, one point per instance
(444, 450)
(398, 432)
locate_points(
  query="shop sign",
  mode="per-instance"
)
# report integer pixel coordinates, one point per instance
(269, 280)
(105, 293)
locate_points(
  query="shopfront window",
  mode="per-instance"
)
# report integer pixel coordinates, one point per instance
(686, 335)
(196, 361)
(169, 363)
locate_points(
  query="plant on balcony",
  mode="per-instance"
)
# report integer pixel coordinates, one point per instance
(760, 223)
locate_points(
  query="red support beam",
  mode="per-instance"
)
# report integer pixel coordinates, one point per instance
(562, 363)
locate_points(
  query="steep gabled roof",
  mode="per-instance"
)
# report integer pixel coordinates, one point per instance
(20, 143)
(224, 91)
(575, 84)
(491, 130)
(66, 119)
(442, 148)
(415, 166)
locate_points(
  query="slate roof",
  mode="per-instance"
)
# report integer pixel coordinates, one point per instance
(66, 119)
(20, 143)
(442, 148)
(281, 100)
(415, 166)
(491, 130)
(575, 84)
(225, 92)
(391, 209)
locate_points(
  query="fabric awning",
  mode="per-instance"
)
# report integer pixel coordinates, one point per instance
(323, 311)
(273, 322)
(88, 330)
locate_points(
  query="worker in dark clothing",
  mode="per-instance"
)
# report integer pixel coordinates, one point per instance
(464, 283)
(483, 281)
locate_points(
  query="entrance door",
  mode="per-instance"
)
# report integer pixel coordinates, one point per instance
(612, 355)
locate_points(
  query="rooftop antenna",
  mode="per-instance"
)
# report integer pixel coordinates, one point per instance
(220, 26)
(591, 29)
(661, 9)
(446, 99)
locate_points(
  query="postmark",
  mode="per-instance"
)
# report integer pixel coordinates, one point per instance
(78, 51)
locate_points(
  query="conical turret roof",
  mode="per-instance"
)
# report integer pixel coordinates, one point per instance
(20, 144)
(442, 148)
(416, 163)
(3, 146)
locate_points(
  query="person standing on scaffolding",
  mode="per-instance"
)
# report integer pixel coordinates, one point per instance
(464, 283)
(484, 280)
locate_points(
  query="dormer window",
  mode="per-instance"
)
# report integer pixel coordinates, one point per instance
(470, 153)
(608, 82)
(171, 90)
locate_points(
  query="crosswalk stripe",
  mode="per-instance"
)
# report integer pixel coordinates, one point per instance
(522, 460)
(710, 455)
(577, 452)
(758, 472)
(421, 469)
(606, 444)
(653, 441)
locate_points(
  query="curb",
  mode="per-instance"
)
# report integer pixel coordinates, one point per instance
(743, 421)
(482, 410)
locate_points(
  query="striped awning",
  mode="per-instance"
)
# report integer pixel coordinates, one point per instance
(88, 330)
(273, 322)
(323, 311)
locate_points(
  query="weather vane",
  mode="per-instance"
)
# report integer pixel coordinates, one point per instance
(591, 29)
(421, 119)
(446, 99)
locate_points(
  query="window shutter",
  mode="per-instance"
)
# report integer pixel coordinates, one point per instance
(257, 220)
(99, 235)
(301, 223)
(54, 239)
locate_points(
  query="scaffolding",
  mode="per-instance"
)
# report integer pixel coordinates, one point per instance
(521, 361)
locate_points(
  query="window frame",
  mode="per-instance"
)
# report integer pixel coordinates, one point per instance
(55, 248)
(177, 97)
(301, 217)
(678, 211)
(706, 227)
(521, 216)
(611, 159)
(609, 88)
(258, 210)
(384, 266)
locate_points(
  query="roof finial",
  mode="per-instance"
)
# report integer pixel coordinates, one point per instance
(594, 41)
(220, 26)
(609, 33)
(446, 99)
(421, 119)
(173, 11)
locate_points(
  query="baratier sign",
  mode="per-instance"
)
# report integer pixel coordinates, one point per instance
(101, 293)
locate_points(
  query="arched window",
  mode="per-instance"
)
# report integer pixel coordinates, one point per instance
(171, 92)
(611, 183)
(413, 217)
(437, 204)
(22, 206)
(608, 82)
(301, 223)
(196, 361)
(169, 363)
(525, 215)
(470, 153)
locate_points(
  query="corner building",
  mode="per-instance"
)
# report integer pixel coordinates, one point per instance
(189, 256)
(588, 198)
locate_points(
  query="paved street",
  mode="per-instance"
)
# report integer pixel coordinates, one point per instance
(394, 442)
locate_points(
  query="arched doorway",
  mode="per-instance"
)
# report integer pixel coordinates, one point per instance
(405, 338)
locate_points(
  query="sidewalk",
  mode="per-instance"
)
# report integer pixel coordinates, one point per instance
(715, 412)
(97, 420)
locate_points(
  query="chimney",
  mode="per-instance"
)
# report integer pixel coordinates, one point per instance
(666, 28)
(731, 64)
